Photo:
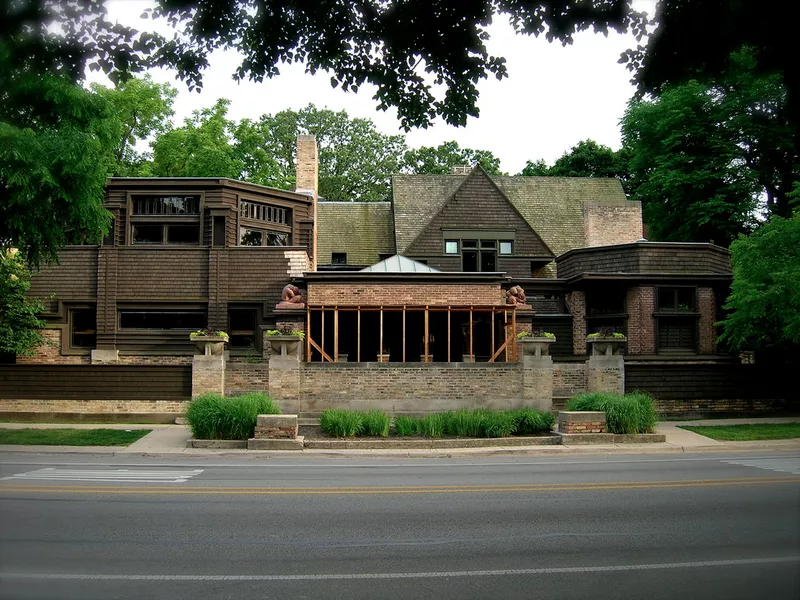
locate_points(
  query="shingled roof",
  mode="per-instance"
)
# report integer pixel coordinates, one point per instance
(362, 229)
(553, 206)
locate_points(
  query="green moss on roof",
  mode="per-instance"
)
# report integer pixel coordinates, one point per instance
(553, 206)
(361, 229)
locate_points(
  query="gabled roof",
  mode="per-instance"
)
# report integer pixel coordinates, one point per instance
(400, 264)
(553, 206)
(362, 229)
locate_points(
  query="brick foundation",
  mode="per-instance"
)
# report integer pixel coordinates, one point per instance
(569, 379)
(576, 305)
(640, 302)
(92, 406)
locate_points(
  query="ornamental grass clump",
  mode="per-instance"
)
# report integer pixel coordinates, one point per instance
(530, 421)
(405, 426)
(338, 422)
(376, 423)
(632, 413)
(214, 417)
(431, 425)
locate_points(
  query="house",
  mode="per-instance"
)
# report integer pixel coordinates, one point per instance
(410, 304)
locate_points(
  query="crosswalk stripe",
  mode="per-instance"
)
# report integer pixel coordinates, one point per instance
(782, 465)
(115, 475)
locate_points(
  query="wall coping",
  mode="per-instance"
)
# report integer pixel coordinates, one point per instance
(581, 416)
(411, 365)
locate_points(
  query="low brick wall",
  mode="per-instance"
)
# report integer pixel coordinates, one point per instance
(276, 427)
(581, 422)
(29, 405)
(410, 387)
(569, 379)
(246, 377)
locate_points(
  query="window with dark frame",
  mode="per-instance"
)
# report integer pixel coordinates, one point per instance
(249, 236)
(83, 328)
(478, 254)
(243, 328)
(162, 319)
(165, 219)
(676, 319)
(338, 258)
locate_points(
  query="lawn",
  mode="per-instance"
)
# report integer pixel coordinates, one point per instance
(747, 433)
(71, 437)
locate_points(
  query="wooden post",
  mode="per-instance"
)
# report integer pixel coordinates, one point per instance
(491, 319)
(322, 340)
(514, 334)
(358, 343)
(426, 334)
(448, 333)
(308, 334)
(505, 330)
(404, 334)
(380, 347)
(471, 356)
(336, 334)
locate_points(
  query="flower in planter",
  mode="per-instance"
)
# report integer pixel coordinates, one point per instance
(286, 331)
(606, 332)
(536, 333)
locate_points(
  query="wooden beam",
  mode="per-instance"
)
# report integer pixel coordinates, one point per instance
(321, 351)
(308, 334)
(358, 343)
(322, 341)
(336, 334)
(380, 347)
(513, 334)
(492, 328)
(499, 350)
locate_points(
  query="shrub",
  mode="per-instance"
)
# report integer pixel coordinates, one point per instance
(338, 422)
(465, 423)
(431, 425)
(498, 424)
(631, 413)
(213, 417)
(376, 423)
(405, 425)
(529, 421)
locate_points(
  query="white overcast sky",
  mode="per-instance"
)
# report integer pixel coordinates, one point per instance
(553, 97)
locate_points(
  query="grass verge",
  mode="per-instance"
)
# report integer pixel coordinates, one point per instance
(747, 433)
(71, 437)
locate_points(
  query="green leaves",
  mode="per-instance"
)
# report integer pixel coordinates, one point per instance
(19, 325)
(440, 160)
(765, 294)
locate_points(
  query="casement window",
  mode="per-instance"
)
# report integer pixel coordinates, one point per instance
(338, 258)
(478, 249)
(83, 328)
(162, 319)
(165, 219)
(243, 328)
(263, 224)
(676, 319)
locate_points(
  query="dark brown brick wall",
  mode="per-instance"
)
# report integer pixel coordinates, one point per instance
(576, 305)
(707, 307)
(640, 304)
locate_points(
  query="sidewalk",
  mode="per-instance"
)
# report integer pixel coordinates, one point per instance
(171, 439)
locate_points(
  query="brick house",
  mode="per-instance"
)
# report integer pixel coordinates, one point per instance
(413, 287)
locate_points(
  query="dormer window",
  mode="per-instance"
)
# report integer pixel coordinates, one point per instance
(263, 224)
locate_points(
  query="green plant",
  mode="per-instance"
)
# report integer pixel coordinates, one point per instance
(529, 421)
(499, 424)
(339, 422)
(523, 334)
(632, 413)
(431, 425)
(606, 332)
(209, 332)
(214, 417)
(376, 423)
(464, 423)
(535, 333)
(405, 426)
(286, 331)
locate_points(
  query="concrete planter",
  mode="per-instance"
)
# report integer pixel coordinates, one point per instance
(285, 345)
(210, 345)
(536, 346)
(606, 346)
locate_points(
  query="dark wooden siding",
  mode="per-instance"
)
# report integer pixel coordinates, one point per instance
(163, 272)
(257, 274)
(74, 278)
(561, 327)
(708, 381)
(85, 382)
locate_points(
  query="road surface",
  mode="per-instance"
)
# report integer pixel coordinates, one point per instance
(638, 526)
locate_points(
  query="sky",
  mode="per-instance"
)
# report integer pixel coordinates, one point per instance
(554, 95)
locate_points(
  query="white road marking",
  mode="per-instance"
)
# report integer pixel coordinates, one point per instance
(110, 476)
(413, 575)
(783, 465)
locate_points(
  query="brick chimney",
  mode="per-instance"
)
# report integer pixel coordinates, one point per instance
(307, 182)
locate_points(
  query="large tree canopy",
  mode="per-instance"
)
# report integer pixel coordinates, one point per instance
(586, 159)
(765, 294)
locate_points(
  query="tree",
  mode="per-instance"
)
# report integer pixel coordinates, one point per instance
(704, 155)
(19, 325)
(537, 168)
(201, 148)
(586, 159)
(141, 109)
(764, 303)
(56, 150)
(442, 158)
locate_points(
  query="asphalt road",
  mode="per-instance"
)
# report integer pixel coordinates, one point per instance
(648, 526)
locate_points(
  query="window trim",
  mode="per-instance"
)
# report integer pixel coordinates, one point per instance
(164, 220)
(335, 255)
